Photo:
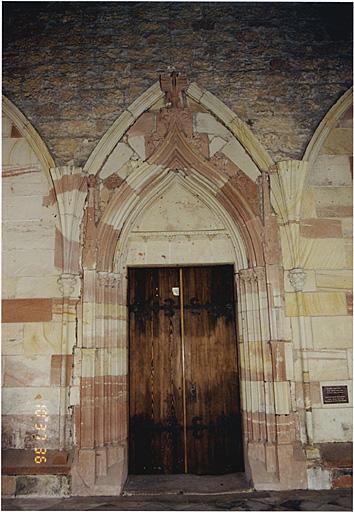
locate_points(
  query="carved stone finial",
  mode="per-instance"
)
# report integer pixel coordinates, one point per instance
(173, 85)
(297, 278)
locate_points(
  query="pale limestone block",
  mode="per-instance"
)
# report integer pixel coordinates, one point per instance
(24, 400)
(6, 126)
(21, 263)
(316, 304)
(43, 338)
(236, 152)
(18, 152)
(347, 227)
(29, 235)
(158, 252)
(21, 371)
(319, 478)
(332, 425)
(37, 287)
(310, 282)
(137, 143)
(88, 357)
(249, 141)
(328, 369)
(337, 279)
(301, 332)
(31, 182)
(119, 156)
(158, 105)
(146, 100)
(12, 339)
(289, 362)
(9, 287)
(338, 142)
(348, 251)
(350, 362)
(332, 332)
(194, 91)
(177, 209)
(215, 144)
(74, 395)
(308, 204)
(289, 251)
(136, 252)
(282, 397)
(24, 208)
(323, 253)
(330, 170)
(217, 107)
(333, 196)
(206, 123)
(326, 354)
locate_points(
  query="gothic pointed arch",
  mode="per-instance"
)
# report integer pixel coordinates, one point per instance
(326, 125)
(33, 138)
(178, 128)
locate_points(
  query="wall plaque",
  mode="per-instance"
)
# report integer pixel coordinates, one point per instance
(335, 394)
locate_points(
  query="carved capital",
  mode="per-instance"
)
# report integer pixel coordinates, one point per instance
(69, 285)
(297, 278)
(248, 275)
(108, 279)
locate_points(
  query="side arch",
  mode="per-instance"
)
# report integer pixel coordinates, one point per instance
(326, 125)
(31, 135)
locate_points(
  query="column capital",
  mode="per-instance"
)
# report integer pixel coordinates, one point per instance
(297, 278)
(69, 285)
(108, 279)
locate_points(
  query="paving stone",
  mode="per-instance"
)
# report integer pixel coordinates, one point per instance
(255, 501)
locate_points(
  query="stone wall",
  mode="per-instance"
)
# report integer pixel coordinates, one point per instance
(73, 70)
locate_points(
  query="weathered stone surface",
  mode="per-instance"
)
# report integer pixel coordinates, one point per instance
(43, 485)
(332, 425)
(8, 485)
(316, 304)
(331, 170)
(72, 78)
(339, 142)
(321, 228)
(332, 332)
(340, 279)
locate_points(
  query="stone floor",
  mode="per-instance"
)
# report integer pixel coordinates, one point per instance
(339, 499)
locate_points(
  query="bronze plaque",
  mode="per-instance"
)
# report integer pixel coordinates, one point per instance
(335, 394)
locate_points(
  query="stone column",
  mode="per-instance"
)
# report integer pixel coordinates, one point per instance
(69, 286)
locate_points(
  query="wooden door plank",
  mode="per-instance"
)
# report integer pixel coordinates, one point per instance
(156, 414)
(214, 435)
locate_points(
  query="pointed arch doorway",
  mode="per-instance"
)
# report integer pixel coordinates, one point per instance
(179, 182)
(184, 402)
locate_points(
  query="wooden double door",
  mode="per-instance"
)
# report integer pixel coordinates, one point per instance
(184, 385)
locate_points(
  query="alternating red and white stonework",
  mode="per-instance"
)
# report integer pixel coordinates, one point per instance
(177, 179)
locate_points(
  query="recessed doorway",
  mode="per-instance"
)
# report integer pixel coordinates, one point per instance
(184, 401)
